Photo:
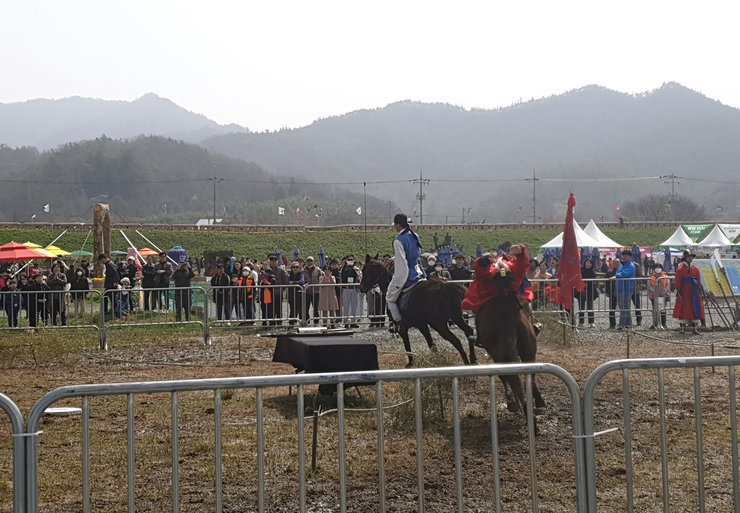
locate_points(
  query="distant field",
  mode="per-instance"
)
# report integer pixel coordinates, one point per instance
(336, 243)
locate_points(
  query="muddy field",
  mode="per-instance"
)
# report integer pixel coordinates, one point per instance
(33, 365)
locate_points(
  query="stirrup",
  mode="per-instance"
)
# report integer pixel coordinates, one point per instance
(537, 328)
(393, 326)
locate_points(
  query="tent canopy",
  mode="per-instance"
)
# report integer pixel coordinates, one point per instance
(583, 239)
(679, 239)
(604, 241)
(13, 251)
(715, 239)
(40, 249)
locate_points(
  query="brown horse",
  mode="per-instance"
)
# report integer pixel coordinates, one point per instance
(430, 303)
(504, 329)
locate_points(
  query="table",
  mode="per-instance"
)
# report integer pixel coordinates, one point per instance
(316, 354)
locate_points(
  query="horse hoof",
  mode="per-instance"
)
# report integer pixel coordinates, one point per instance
(433, 348)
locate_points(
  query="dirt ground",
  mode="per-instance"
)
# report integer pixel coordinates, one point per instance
(33, 367)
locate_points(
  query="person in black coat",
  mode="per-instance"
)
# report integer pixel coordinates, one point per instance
(148, 277)
(611, 291)
(182, 276)
(110, 283)
(11, 299)
(79, 287)
(586, 296)
(219, 280)
(37, 301)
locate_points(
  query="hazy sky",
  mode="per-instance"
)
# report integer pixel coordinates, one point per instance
(273, 64)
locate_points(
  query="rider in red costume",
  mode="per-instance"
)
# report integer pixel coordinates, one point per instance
(483, 288)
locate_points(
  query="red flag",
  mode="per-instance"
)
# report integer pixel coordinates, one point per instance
(569, 272)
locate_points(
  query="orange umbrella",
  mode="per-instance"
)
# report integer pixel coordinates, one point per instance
(15, 251)
(147, 251)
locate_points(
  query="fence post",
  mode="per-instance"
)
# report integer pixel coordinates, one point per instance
(102, 335)
(206, 325)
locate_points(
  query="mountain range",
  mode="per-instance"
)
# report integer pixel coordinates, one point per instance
(475, 164)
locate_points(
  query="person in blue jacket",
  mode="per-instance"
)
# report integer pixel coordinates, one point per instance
(406, 269)
(625, 286)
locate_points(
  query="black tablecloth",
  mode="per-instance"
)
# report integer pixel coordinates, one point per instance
(326, 353)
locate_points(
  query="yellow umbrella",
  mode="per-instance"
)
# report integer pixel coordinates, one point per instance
(57, 251)
(40, 249)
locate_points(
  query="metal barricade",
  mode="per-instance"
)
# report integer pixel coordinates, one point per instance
(269, 437)
(645, 453)
(17, 426)
(600, 308)
(255, 306)
(173, 306)
(50, 309)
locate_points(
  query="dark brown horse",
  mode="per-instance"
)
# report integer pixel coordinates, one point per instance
(430, 303)
(504, 329)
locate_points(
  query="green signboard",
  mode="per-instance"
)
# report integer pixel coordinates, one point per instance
(697, 231)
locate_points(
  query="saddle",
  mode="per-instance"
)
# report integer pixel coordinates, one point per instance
(403, 299)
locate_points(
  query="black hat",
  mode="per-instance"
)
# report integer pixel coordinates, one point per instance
(401, 220)
(627, 252)
(687, 253)
(459, 255)
(162, 253)
(272, 256)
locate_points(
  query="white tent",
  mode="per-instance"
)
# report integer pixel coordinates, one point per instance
(604, 241)
(583, 239)
(679, 239)
(715, 239)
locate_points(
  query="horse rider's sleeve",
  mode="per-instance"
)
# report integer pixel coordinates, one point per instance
(400, 272)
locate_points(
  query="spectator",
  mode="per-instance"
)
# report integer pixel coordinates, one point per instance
(459, 271)
(660, 295)
(635, 298)
(350, 277)
(148, 282)
(439, 272)
(688, 308)
(312, 276)
(110, 284)
(123, 305)
(625, 288)
(219, 283)
(163, 270)
(36, 302)
(281, 278)
(611, 291)
(587, 296)
(57, 283)
(328, 303)
(79, 287)
(85, 268)
(11, 300)
(336, 272)
(539, 285)
(182, 276)
(268, 299)
(231, 298)
(130, 268)
(429, 269)
(553, 269)
(245, 293)
(295, 292)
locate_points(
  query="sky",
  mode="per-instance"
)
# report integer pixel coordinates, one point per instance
(268, 65)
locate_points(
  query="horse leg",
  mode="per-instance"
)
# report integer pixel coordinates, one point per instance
(459, 321)
(450, 337)
(403, 330)
(427, 336)
(527, 349)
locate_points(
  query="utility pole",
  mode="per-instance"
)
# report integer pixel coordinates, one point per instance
(673, 180)
(421, 196)
(534, 181)
(215, 180)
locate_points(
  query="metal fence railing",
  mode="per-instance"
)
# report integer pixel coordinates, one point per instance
(631, 457)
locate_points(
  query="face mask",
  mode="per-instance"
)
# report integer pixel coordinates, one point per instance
(79, 273)
(350, 262)
(438, 268)
(430, 262)
(245, 273)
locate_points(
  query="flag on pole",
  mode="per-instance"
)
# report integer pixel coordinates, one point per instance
(46, 208)
(298, 212)
(359, 211)
(569, 274)
(281, 211)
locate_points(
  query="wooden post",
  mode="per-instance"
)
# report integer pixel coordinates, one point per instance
(101, 236)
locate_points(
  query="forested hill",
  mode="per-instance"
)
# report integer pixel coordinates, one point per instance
(587, 133)
(46, 124)
(160, 180)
